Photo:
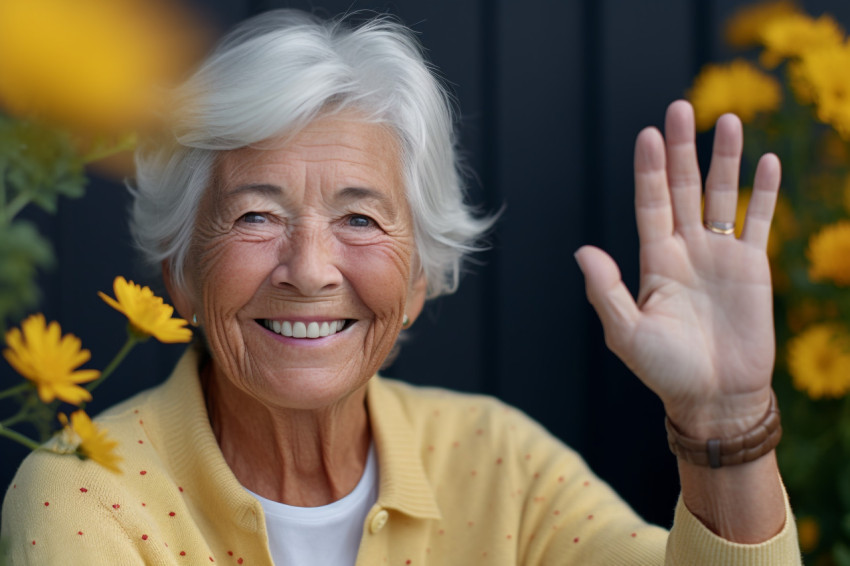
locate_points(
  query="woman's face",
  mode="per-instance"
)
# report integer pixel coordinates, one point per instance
(303, 263)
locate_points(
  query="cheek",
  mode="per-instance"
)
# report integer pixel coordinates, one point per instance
(230, 272)
(381, 277)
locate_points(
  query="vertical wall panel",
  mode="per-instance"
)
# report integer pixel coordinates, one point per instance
(646, 59)
(540, 349)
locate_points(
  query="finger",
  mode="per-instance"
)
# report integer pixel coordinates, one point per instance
(652, 196)
(682, 167)
(721, 185)
(763, 201)
(609, 296)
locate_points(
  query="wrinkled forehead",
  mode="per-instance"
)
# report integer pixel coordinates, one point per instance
(346, 143)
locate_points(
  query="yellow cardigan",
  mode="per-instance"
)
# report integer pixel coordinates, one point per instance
(464, 480)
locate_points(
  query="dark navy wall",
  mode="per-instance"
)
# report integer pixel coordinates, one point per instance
(551, 95)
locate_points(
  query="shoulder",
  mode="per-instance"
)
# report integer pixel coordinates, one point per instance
(59, 504)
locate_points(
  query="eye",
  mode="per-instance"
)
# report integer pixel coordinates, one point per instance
(253, 218)
(359, 221)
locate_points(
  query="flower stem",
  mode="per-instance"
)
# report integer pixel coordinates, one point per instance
(21, 415)
(19, 438)
(119, 357)
(24, 413)
(20, 388)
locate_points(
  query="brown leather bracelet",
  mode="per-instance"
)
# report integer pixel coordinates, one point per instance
(717, 452)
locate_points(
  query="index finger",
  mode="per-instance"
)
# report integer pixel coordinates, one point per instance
(653, 210)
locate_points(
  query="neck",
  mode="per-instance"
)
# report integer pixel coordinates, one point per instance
(304, 458)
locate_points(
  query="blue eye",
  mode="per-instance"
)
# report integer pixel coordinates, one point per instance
(360, 221)
(253, 218)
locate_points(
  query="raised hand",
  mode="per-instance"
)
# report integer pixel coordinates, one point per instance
(700, 334)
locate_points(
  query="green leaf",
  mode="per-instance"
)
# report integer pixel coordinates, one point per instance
(841, 554)
(22, 252)
(40, 163)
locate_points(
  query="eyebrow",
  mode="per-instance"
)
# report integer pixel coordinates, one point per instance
(347, 194)
(261, 188)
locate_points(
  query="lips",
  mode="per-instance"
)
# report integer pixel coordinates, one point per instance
(300, 329)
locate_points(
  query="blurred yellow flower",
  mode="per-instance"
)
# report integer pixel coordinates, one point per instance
(799, 83)
(819, 361)
(147, 313)
(738, 87)
(792, 35)
(808, 532)
(91, 441)
(91, 64)
(822, 74)
(41, 354)
(829, 254)
(744, 28)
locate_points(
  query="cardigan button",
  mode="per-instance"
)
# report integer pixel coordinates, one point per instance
(378, 521)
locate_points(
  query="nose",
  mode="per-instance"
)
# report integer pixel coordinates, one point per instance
(308, 262)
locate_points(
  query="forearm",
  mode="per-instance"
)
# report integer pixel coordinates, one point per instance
(743, 503)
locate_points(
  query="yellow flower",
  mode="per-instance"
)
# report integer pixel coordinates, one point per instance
(90, 440)
(819, 361)
(745, 26)
(799, 83)
(93, 64)
(822, 77)
(737, 87)
(41, 354)
(829, 254)
(790, 36)
(808, 531)
(147, 313)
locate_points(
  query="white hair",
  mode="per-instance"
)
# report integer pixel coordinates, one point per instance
(271, 76)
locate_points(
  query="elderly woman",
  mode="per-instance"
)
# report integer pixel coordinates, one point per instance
(305, 207)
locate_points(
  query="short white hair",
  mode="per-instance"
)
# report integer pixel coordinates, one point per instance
(270, 77)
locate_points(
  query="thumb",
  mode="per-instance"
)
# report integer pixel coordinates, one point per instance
(611, 299)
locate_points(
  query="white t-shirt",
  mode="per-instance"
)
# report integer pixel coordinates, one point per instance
(328, 535)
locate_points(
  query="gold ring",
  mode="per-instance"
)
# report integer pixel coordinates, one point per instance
(723, 228)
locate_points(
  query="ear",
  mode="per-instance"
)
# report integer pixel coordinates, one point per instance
(416, 297)
(179, 298)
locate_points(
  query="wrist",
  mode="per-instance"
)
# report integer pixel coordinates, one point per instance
(725, 417)
(728, 450)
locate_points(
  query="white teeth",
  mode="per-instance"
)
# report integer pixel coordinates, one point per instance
(304, 330)
(313, 330)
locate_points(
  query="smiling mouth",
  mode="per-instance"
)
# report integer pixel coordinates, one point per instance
(306, 329)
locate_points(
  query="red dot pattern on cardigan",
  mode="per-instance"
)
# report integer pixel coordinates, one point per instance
(528, 459)
(478, 434)
(117, 506)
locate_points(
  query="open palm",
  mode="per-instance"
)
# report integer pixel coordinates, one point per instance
(700, 334)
